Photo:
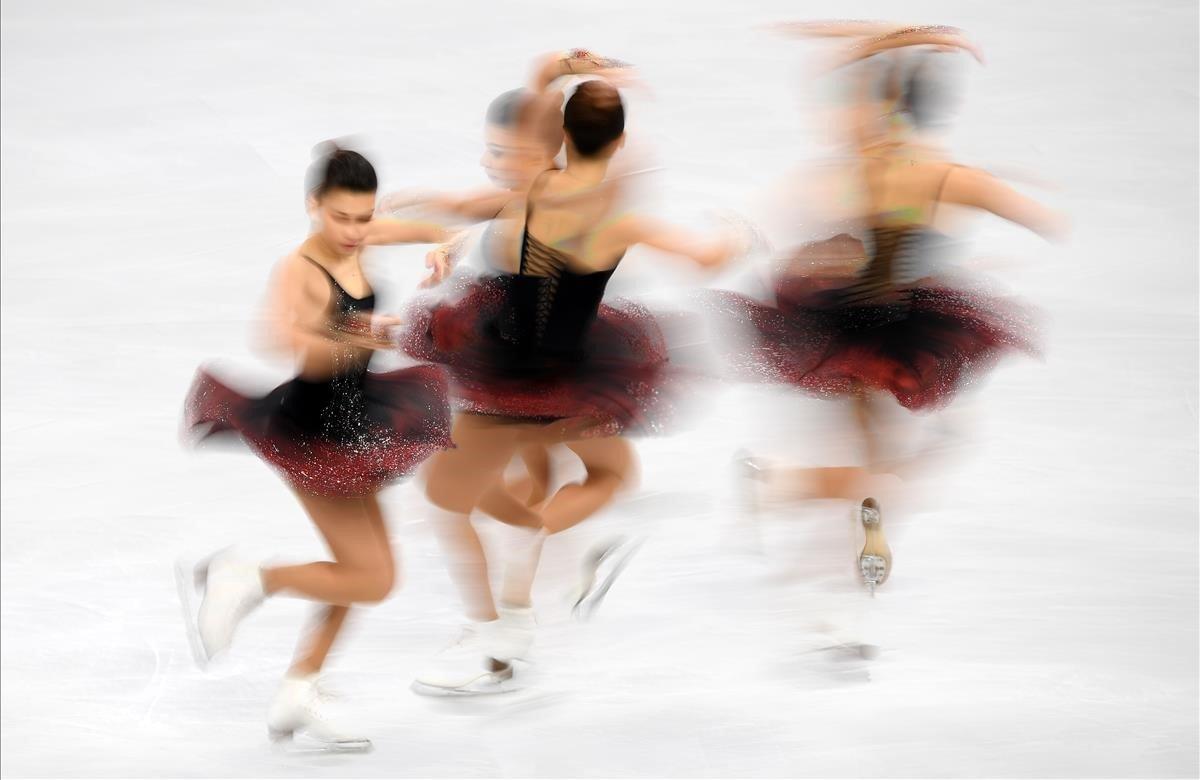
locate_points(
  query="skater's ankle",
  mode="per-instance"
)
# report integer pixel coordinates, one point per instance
(302, 670)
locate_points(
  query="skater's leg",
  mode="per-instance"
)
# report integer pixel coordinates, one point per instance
(610, 465)
(363, 569)
(316, 645)
(456, 481)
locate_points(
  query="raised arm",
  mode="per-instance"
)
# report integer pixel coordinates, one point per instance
(977, 189)
(551, 67)
(940, 36)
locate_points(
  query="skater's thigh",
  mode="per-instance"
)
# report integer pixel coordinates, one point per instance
(353, 530)
(457, 478)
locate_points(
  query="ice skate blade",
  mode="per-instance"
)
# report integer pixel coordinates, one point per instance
(593, 595)
(487, 684)
(488, 687)
(187, 585)
(847, 652)
(875, 558)
(302, 742)
(874, 571)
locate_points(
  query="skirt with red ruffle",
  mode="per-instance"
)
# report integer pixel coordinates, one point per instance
(923, 346)
(348, 436)
(618, 382)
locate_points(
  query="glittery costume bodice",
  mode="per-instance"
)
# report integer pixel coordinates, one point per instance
(334, 407)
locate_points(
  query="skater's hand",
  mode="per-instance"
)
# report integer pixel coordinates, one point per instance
(441, 259)
(364, 331)
(581, 62)
(383, 324)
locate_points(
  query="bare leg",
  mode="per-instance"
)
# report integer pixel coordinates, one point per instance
(610, 464)
(517, 590)
(458, 480)
(315, 645)
(362, 571)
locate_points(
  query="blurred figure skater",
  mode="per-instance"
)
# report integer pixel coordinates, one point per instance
(858, 318)
(337, 433)
(537, 359)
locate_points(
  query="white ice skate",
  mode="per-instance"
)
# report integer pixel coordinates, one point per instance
(875, 557)
(297, 718)
(514, 640)
(232, 588)
(479, 663)
(601, 567)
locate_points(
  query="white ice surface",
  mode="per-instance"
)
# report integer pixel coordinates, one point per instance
(1042, 620)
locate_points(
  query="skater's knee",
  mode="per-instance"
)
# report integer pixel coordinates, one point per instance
(617, 465)
(376, 586)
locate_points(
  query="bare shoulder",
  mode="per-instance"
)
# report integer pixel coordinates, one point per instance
(295, 272)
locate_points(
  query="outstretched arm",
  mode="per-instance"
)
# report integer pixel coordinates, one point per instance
(976, 189)
(399, 231)
(704, 251)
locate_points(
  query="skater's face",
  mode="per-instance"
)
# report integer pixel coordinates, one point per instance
(512, 159)
(343, 217)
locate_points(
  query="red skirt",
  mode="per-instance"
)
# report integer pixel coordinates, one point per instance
(923, 347)
(619, 381)
(348, 436)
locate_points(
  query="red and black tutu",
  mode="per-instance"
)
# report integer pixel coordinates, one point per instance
(922, 344)
(617, 380)
(348, 436)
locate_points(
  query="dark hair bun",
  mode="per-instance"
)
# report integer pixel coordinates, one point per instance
(335, 168)
(594, 117)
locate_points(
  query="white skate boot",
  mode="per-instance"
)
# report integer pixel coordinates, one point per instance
(479, 663)
(232, 588)
(601, 567)
(298, 711)
(875, 557)
(516, 634)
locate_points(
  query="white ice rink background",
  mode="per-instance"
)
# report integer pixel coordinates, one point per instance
(1042, 618)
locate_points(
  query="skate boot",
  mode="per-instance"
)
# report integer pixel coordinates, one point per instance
(478, 663)
(875, 558)
(601, 567)
(232, 589)
(514, 639)
(299, 711)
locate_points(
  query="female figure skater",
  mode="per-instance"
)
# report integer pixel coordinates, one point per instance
(886, 327)
(522, 136)
(536, 358)
(336, 432)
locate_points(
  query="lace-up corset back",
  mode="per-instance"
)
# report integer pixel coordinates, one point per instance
(555, 305)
